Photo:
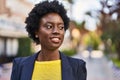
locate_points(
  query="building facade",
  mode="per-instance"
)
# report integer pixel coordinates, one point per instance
(12, 27)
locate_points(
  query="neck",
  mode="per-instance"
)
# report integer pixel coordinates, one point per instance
(45, 55)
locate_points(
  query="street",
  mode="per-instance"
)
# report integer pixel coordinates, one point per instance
(98, 68)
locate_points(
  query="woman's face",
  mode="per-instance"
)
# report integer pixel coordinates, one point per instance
(51, 31)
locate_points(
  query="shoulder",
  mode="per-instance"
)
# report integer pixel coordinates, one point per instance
(76, 61)
(18, 63)
(24, 60)
(78, 67)
(72, 61)
(20, 60)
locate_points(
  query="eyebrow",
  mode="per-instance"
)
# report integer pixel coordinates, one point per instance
(57, 23)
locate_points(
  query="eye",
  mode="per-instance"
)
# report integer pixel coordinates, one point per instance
(49, 26)
(61, 27)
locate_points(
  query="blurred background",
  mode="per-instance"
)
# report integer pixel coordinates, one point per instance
(93, 35)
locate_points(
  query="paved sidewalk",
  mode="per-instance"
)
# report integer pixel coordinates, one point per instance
(6, 71)
(97, 68)
(116, 72)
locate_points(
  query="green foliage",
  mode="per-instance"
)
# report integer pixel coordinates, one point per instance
(116, 62)
(81, 25)
(24, 47)
(112, 32)
(113, 48)
(69, 52)
(95, 40)
(92, 39)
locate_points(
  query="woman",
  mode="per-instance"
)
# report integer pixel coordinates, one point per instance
(46, 25)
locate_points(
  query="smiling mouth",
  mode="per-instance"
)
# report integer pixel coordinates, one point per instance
(55, 40)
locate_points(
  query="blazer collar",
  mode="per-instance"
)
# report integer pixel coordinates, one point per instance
(28, 66)
(67, 73)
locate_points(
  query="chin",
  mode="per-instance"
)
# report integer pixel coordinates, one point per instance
(54, 47)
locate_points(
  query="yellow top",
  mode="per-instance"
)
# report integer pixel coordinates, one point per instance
(47, 70)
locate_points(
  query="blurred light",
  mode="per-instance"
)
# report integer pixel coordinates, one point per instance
(101, 47)
(109, 42)
(114, 16)
(111, 2)
(90, 23)
(80, 7)
(96, 54)
(76, 33)
(106, 10)
(85, 53)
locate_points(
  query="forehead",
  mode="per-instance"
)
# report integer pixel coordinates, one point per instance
(52, 17)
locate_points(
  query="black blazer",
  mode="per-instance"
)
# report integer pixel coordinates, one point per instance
(72, 69)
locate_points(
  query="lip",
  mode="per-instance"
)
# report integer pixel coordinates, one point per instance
(55, 39)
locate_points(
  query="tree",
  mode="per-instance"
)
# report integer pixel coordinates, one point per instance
(110, 26)
(108, 23)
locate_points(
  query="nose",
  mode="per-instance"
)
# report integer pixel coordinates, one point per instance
(55, 30)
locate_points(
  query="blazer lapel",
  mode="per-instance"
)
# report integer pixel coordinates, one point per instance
(66, 68)
(27, 68)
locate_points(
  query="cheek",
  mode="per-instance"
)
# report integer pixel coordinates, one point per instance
(43, 36)
(62, 35)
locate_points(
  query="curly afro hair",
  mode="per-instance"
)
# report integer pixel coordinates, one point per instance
(41, 9)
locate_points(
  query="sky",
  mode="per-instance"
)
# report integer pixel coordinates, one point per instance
(79, 8)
